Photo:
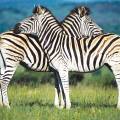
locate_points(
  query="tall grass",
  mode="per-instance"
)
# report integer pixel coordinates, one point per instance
(101, 77)
(36, 103)
(93, 97)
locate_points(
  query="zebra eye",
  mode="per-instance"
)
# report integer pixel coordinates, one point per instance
(32, 19)
(90, 22)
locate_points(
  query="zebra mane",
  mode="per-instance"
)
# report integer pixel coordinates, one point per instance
(35, 10)
(32, 35)
(83, 9)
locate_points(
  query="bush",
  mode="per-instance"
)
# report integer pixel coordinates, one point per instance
(24, 76)
(102, 77)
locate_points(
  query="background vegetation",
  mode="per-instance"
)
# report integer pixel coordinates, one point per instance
(31, 94)
(101, 77)
(36, 103)
(105, 13)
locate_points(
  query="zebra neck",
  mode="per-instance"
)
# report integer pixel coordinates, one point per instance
(52, 44)
(71, 26)
(49, 31)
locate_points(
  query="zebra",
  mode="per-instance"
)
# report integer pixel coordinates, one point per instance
(34, 58)
(66, 53)
(74, 26)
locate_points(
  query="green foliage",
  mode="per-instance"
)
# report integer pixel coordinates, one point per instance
(102, 77)
(88, 103)
(24, 76)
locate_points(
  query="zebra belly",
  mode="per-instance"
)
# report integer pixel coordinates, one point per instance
(85, 65)
(84, 68)
(34, 66)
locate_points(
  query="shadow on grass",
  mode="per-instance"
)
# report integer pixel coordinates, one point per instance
(90, 105)
(74, 104)
(35, 103)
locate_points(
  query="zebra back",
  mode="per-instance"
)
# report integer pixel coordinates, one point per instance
(25, 49)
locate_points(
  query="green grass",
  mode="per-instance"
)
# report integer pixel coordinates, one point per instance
(36, 103)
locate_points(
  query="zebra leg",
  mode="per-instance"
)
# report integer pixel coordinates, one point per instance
(62, 102)
(4, 85)
(2, 69)
(8, 66)
(1, 104)
(4, 96)
(65, 88)
(114, 62)
(57, 89)
(116, 71)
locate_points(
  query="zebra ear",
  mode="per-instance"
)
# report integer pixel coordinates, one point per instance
(37, 10)
(34, 5)
(84, 11)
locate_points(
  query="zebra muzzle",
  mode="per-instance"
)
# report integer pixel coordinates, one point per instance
(17, 28)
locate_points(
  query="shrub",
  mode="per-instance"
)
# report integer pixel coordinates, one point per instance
(102, 77)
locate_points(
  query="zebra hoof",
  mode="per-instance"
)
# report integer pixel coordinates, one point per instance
(56, 105)
(68, 106)
(118, 107)
(7, 106)
(61, 107)
(1, 105)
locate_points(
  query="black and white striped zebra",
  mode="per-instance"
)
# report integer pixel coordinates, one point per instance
(70, 54)
(74, 26)
(12, 47)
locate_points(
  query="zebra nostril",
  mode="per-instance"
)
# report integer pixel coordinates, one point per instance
(17, 28)
(18, 24)
(17, 31)
(102, 31)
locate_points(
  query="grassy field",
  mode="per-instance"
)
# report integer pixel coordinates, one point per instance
(36, 103)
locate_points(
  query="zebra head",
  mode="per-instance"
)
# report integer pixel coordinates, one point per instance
(78, 23)
(88, 26)
(31, 24)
